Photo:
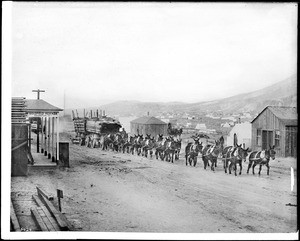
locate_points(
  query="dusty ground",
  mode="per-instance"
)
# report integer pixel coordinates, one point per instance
(106, 191)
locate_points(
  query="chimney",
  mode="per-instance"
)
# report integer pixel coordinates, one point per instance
(104, 112)
(148, 113)
(100, 112)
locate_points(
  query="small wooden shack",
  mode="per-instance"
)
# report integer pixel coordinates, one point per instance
(276, 125)
(148, 125)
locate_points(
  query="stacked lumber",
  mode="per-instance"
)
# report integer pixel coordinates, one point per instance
(98, 124)
(80, 125)
(18, 114)
(46, 216)
(93, 126)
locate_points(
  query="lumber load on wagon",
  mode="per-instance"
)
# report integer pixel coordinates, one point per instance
(95, 125)
(102, 125)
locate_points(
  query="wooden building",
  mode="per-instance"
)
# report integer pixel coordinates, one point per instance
(276, 125)
(148, 125)
(47, 117)
(20, 138)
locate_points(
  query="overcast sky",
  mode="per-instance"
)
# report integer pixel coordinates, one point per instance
(189, 52)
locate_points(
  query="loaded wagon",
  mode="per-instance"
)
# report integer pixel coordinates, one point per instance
(89, 129)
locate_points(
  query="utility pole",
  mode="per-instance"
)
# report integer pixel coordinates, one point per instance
(38, 92)
(38, 122)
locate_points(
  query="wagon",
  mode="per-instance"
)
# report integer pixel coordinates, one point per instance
(89, 129)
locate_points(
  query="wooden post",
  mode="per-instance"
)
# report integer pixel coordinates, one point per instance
(45, 139)
(29, 138)
(59, 196)
(49, 148)
(42, 135)
(37, 137)
(53, 154)
(57, 139)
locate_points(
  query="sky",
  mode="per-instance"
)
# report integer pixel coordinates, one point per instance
(94, 53)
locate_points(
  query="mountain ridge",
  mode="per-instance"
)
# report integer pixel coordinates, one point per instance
(282, 93)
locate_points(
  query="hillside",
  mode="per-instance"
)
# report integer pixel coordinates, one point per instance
(283, 93)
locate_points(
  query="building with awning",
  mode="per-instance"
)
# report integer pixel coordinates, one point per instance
(48, 115)
(47, 123)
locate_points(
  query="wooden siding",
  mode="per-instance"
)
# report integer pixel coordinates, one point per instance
(267, 121)
(144, 129)
(20, 149)
(291, 141)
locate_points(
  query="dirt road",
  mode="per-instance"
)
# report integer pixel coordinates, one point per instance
(106, 191)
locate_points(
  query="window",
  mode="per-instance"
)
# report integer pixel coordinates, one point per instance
(277, 138)
(258, 137)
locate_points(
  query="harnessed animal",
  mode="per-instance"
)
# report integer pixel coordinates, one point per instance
(235, 156)
(161, 148)
(172, 149)
(261, 158)
(211, 153)
(192, 151)
(147, 146)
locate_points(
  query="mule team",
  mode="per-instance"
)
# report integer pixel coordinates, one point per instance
(231, 156)
(165, 148)
(168, 148)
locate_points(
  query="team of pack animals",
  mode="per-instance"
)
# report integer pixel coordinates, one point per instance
(231, 156)
(167, 148)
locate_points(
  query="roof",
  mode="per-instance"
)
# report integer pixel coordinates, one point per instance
(40, 106)
(148, 120)
(288, 115)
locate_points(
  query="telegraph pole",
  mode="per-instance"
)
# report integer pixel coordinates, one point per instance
(38, 92)
(38, 122)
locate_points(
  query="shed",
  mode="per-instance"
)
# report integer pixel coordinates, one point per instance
(148, 125)
(276, 125)
(242, 133)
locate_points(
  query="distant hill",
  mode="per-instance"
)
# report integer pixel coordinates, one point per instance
(283, 93)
